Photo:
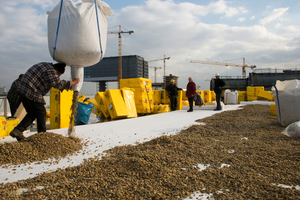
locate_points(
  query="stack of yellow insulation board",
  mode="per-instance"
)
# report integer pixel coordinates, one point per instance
(213, 96)
(96, 108)
(103, 104)
(60, 108)
(161, 108)
(143, 93)
(156, 97)
(128, 96)
(179, 100)
(164, 97)
(116, 105)
(207, 96)
(184, 97)
(143, 100)
(242, 96)
(266, 95)
(252, 92)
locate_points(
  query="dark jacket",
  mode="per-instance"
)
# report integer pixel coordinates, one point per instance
(218, 83)
(191, 89)
(172, 90)
(38, 80)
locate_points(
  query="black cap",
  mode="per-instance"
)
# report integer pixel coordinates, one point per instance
(60, 67)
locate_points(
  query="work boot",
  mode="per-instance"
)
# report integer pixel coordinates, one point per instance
(15, 133)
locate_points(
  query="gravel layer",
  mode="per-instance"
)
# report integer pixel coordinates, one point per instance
(260, 163)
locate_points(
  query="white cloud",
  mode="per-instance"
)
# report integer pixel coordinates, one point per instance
(160, 28)
(275, 14)
(241, 19)
(252, 18)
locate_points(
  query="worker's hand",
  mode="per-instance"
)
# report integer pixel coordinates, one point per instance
(74, 82)
(220, 87)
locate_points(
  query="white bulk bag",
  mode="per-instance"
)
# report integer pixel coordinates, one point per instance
(230, 97)
(287, 101)
(77, 32)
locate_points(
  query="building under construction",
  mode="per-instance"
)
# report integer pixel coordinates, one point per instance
(106, 70)
(259, 77)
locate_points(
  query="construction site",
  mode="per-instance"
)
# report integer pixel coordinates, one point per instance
(127, 143)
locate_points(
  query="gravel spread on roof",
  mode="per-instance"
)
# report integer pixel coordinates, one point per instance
(243, 152)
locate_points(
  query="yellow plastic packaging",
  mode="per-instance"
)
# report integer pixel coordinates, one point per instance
(11, 123)
(136, 83)
(207, 96)
(161, 108)
(103, 104)
(128, 96)
(179, 100)
(252, 92)
(116, 105)
(3, 127)
(96, 108)
(81, 98)
(266, 95)
(60, 108)
(273, 109)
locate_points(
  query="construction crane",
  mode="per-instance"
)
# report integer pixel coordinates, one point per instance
(227, 64)
(155, 68)
(120, 50)
(164, 59)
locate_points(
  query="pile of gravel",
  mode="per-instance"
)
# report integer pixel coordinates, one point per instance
(38, 147)
(259, 160)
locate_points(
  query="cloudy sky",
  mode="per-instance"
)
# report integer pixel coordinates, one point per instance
(266, 33)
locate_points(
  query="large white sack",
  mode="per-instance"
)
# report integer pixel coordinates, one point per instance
(292, 130)
(287, 101)
(73, 33)
(230, 97)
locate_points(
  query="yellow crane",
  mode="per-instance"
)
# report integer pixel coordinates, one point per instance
(226, 64)
(164, 59)
(155, 68)
(120, 49)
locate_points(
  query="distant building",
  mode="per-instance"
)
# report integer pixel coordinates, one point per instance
(107, 69)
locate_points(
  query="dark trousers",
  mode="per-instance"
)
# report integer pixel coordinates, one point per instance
(13, 108)
(218, 100)
(34, 111)
(173, 101)
(191, 103)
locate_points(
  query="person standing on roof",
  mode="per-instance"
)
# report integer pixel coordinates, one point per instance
(36, 83)
(13, 97)
(172, 89)
(219, 83)
(191, 93)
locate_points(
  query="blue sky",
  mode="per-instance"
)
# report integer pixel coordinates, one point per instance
(266, 33)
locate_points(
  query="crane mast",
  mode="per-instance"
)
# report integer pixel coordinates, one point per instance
(120, 50)
(164, 59)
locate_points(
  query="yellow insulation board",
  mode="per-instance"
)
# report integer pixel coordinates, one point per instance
(116, 105)
(96, 108)
(60, 108)
(136, 83)
(156, 97)
(161, 108)
(103, 104)
(128, 96)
